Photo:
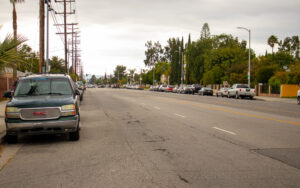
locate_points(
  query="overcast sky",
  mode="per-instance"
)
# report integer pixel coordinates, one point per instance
(114, 32)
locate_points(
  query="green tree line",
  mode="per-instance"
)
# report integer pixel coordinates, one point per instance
(213, 59)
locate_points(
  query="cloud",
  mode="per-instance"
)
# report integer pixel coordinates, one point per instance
(115, 31)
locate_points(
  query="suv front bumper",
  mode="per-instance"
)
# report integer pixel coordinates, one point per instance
(61, 125)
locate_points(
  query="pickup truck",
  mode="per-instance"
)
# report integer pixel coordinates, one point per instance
(241, 91)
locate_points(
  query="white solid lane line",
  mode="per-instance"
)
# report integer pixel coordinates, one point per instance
(180, 115)
(224, 130)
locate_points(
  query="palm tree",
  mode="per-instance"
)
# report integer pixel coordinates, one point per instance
(272, 40)
(15, 28)
(8, 52)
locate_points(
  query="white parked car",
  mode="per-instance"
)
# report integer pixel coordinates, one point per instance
(241, 91)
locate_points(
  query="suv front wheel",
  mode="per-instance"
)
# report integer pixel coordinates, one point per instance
(74, 136)
(11, 139)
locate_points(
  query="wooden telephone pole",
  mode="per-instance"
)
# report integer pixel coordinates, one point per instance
(65, 29)
(42, 35)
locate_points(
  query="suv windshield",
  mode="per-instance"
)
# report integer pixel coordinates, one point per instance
(43, 86)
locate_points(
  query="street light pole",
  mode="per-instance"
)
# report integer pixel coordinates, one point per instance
(249, 58)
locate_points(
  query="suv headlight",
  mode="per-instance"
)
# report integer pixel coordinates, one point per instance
(68, 110)
(12, 112)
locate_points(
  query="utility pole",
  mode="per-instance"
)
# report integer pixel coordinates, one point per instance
(47, 36)
(76, 55)
(42, 35)
(65, 30)
(249, 55)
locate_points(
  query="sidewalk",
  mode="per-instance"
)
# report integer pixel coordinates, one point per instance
(277, 99)
(2, 123)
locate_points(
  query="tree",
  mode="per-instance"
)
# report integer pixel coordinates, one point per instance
(154, 53)
(205, 32)
(272, 40)
(57, 65)
(131, 74)
(295, 46)
(119, 72)
(93, 79)
(15, 28)
(8, 53)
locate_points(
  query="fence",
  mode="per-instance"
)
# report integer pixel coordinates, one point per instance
(5, 84)
(289, 90)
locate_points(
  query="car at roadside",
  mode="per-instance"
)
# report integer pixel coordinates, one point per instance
(81, 89)
(169, 88)
(206, 91)
(162, 88)
(188, 89)
(43, 104)
(241, 91)
(222, 92)
(156, 88)
(196, 87)
(175, 89)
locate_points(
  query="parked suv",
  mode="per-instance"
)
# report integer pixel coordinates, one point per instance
(43, 104)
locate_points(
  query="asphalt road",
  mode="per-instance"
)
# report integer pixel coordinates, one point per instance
(135, 138)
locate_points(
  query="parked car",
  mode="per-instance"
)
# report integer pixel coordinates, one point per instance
(175, 89)
(151, 88)
(205, 91)
(43, 104)
(298, 96)
(80, 89)
(241, 91)
(222, 92)
(196, 87)
(162, 88)
(180, 89)
(169, 88)
(157, 88)
(187, 89)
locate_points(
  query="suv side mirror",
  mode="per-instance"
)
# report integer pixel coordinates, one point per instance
(77, 92)
(7, 94)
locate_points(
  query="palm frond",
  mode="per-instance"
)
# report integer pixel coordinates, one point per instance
(9, 50)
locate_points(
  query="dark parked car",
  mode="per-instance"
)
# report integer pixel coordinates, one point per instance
(43, 104)
(196, 87)
(205, 91)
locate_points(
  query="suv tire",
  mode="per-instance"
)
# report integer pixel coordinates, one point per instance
(298, 100)
(74, 136)
(11, 139)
